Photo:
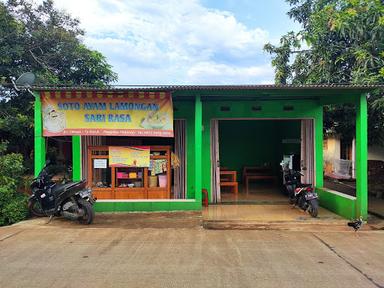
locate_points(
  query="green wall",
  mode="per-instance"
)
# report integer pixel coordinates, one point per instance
(256, 143)
(342, 205)
(289, 129)
(127, 206)
(185, 110)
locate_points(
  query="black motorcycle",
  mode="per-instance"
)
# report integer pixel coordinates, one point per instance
(301, 195)
(72, 200)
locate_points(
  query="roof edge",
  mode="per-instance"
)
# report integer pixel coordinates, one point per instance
(210, 87)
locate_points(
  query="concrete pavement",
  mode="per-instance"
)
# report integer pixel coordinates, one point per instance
(161, 253)
(271, 217)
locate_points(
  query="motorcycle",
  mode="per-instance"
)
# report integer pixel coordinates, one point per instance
(307, 199)
(299, 194)
(72, 200)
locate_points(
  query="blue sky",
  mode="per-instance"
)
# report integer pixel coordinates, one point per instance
(184, 42)
(269, 15)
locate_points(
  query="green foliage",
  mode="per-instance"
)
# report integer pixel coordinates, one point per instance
(47, 42)
(337, 120)
(13, 205)
(345, 46)
(16, 124)
(11, 168)
(283, 53)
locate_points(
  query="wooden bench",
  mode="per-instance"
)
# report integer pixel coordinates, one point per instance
(229, 179)
(257, 173)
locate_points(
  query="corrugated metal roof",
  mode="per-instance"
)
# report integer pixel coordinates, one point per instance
(214, 87)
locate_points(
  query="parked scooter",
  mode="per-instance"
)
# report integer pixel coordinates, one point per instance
(304, 196)
(71, 200)
(299, 194)
(292, 180)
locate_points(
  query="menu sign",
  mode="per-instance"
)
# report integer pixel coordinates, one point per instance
(107, 113)
(135, 156)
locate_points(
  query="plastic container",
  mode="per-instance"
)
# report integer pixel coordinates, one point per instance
(132, 175)
(152, 181)
(122, 175)
(163, 181)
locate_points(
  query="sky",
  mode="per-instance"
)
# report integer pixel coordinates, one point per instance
(184, 41)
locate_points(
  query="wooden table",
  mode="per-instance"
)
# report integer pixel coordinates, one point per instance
(229, 179)
(257, 173)
(257, 177)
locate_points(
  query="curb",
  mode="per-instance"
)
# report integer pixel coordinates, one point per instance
(279, 226)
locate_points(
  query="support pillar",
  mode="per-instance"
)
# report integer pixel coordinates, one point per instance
(39, 144)
(319, 138)
(198, 148)
(362, 157)
(76, 158)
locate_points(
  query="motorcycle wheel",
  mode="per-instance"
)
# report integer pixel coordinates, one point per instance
(301, 202)
(291, 194)
(87, 218)
(35, 209)
(313, 208)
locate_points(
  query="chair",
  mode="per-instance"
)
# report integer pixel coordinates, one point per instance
(229, 179)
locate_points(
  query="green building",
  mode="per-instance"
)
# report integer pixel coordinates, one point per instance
(155, 148)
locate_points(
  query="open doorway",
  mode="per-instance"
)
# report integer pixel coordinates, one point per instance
(246, 157)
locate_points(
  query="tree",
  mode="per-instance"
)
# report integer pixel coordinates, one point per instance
(47, 42)
(13, 205)
(344, 45)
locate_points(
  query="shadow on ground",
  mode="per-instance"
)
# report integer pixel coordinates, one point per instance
(175, 220)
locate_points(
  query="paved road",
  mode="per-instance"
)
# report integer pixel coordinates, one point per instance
(64, 254)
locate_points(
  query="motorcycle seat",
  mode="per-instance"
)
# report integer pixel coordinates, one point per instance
(302, 185)
(57, 189)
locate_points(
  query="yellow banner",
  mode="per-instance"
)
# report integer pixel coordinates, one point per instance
(107, 113)
(137, 156)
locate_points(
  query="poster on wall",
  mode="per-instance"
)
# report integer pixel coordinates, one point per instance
(144, 114)
(99, 163)
(135, 156)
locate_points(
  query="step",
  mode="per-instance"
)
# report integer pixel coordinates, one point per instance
(310, 226)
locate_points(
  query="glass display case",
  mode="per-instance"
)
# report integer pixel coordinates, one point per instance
(153, 182)
(99, 173)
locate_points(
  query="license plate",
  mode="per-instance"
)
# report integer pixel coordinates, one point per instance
(310, 196)
(85, 193)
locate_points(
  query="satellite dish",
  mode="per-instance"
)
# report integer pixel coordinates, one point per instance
(25, 80)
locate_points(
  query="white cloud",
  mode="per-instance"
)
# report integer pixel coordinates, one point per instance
(172, 41)
(205, 72)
